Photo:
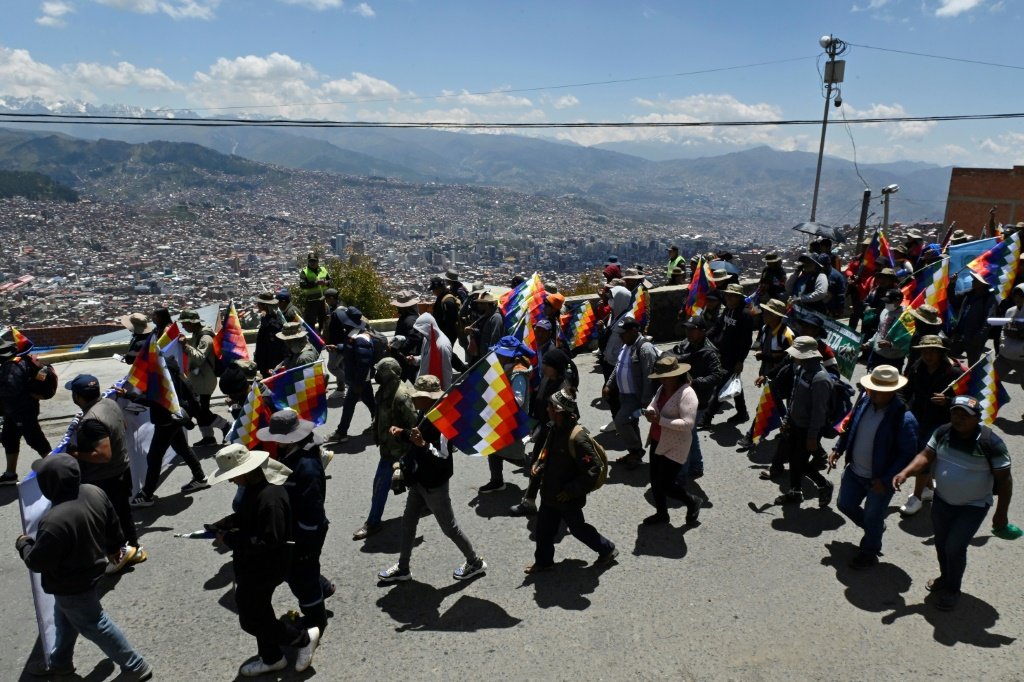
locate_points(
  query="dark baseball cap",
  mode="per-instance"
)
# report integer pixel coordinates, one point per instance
(85, 385)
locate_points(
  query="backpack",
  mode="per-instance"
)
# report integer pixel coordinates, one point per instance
(985, 445)
(601, 455)
(380, 344)
(840, 402)
(43, 382)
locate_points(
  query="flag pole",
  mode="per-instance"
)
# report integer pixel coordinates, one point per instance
(966, 372)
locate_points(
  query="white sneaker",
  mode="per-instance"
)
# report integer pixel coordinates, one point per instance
(927, 495)
(304, 656)
(608, 427)
(257, 667)
(911, 506)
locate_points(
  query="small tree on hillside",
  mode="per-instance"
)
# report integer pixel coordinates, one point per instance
(357, 281)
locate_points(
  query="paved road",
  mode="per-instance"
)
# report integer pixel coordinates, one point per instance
(756, 592)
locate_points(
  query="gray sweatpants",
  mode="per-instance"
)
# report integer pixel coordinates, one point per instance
(439, 503)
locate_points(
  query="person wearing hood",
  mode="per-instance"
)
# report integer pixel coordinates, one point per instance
(299, 450)
(259, 535)
(69, 551)
(394, 409)
(610, 342)
(350, 336)
(435, 356)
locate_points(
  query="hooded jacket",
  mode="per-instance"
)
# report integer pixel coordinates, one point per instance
(75, 537)
(436, 351)
(620, 301)
(394, 408)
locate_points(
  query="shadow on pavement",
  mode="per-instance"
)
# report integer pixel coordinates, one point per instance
(489, 505)
(967, 624)
(919, 524)
(8, 495)
(418, 607)
(565, 584)
(637, 478)
(103, 670)
(388, 540)
(876, 589)
(224, 576)
(809, 521)
(663, 540)
(1010, 427)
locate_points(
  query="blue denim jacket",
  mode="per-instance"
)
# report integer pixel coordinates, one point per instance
(895, 439)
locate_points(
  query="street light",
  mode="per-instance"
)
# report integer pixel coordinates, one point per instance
(887, 192)
(834, 70)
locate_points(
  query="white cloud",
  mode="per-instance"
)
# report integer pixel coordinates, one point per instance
(318, 5)
(22, 76)
(1007, 144)
(54, 12)
(124, 75)
(953, 8)
(360, 85)
(364, 10)
(176, 9)
(895, 131)
(565, 102)
(491, 99)
(275, 67)
(872, 5)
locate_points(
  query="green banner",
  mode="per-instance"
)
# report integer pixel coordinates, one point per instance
(844, 342)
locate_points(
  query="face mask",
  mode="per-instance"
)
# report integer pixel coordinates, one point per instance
(891, 307)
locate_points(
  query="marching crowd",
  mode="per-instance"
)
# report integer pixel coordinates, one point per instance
(902, 423)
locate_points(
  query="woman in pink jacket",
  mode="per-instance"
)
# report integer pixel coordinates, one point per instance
(672, 414)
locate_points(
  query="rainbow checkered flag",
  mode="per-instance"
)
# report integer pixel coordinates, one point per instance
(640, 306)
(255, 414)
(479, 415)
(303, 389)
(981, 381)
(229, 342)
(933, 292)
(170, 345)
(998, 266)
(876, 256)
(526, 299)
(150, 377)
(22, 345)
(768, 417)
(579, 325)
(700, 285)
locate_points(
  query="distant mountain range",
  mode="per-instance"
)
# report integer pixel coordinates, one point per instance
(770, 187)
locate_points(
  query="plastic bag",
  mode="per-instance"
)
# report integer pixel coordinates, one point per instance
(731, 389)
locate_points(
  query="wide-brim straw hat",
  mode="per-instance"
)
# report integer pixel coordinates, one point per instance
(235, 460)
(927, 314)
(291, 330)
(137, 323)
(668, 366)
(885, 378)
(405, 299)
(266, 298)
(775, 306)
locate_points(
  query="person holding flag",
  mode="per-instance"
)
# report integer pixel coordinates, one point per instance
(436, 355)
(202, 375)
(20, 410)
(300, 350)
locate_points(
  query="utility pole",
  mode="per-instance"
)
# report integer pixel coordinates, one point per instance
(834, 71)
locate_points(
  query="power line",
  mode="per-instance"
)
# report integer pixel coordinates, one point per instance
(939, 56)
(586, 84)
(88, 119)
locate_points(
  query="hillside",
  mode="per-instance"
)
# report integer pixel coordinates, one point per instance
(35, 186)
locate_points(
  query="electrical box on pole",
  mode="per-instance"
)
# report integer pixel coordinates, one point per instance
(834, 71)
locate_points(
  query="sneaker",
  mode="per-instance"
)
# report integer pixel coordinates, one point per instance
(257, 667)
(140, 675)
(927, 495)
(692, 510)
(825, 495)
(206, 442)
(9, 478)
(394, 574)
(40, 669)
(492, 487)
(655, 519)
(790, 497)
(365, 531)
(863, 560)
(124, 555)
(745, 443)
(607, 558)
(911, 506)
(525, 508)
(470, 569)
(610, 426)
(338, 437)
(141, 499)
(304, 655)
(195, 484)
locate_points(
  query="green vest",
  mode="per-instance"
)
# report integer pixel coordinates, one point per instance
(674, 263)
(314, 293)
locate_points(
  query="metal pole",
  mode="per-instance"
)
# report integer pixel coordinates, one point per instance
(863, 215)
(885, 212)
(821, 145)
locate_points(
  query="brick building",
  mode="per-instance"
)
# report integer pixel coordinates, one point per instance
(974, 191)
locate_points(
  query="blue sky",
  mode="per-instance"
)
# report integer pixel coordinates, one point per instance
(389, 59)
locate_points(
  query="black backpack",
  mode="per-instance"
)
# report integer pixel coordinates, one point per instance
(380, 344)
(43, 382)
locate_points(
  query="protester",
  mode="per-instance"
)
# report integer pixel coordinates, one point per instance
(424, 470)
(408, 339)
(70, 551)
(878, 443)
(357, 355)
(284, 304)
(808, 286)
(332, 299)
(775, 338)
(733, 341)
(487, 329)
(971, 462)
(772, 283)
(1009, 362)
(20, 410)
(259, 536)
(568, 472)
(881, 350)
(300, 350)
(445, 312)
(394, 409)
(516, 359)
(707, 374)
(672, 414)
(299, 450)
(973, 308)
(631, 384)
(202, 376)
(141, 329)
(436, 356)
(270, 350)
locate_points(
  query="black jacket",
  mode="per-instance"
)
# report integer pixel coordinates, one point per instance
(307, 491)
(561, 472)
(75, 537)
(735, 336)
(705, 368)
(15, 375)
(421, 465)
(259, 534)
(270, 350)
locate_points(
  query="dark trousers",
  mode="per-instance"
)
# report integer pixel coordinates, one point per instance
(306, 582)
(24, 423)
(205, 416)
(315, 315)
(549, 519)
(663, 479)
(800, 460)
(740, 401)
(164, 436)
(354, 395)
(613, 395)
(954, 526)
(256, 616)
(119, 490)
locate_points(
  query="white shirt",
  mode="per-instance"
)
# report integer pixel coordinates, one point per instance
(624, 371)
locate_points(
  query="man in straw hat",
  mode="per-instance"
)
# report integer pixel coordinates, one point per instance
(141, 329)
(733, 343)
(776, 337)
(971, 462)
(299, 450)
(806, 421)
(881, 350)
(878, 442)
(202, 376)
(270, 350)
(424, 470)
(569, 470)
(259, 535)
(631, 382)
(488, 327)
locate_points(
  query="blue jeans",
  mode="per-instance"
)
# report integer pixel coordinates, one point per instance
(954, 526)
(695, 460)
(381, 488)
(853, 491)
(82, 614)
(353, 395)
